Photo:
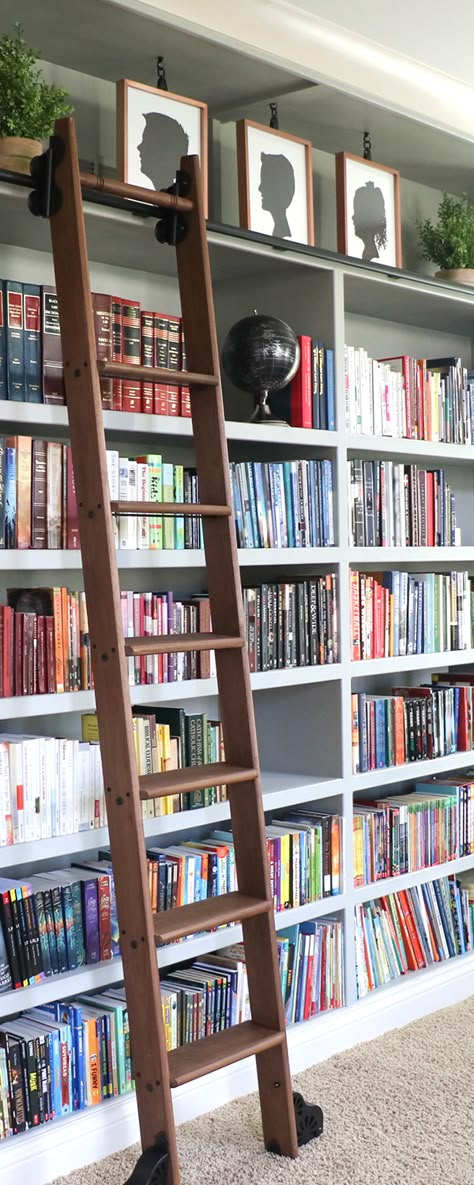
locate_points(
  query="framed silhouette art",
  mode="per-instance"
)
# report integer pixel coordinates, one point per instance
(368, 210)
(275, 175)
(155, 128)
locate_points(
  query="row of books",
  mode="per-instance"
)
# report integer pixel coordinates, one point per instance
(150, 479)
(44, 642)
(400, 833)
(31, 362)
(66, 1056)
(413, 723)
(170, 738)
(60, 920)
(55, 922)
(401, 613)
(309, 401)
(38, 505)
(396, 505)
(411, 929)
(283, 504)
(414, 398)
(292, 624)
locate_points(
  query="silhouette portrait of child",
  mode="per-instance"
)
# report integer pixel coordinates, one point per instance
(163, 144)
(369, 219)
(277, 189)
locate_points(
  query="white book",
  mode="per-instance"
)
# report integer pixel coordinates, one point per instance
(6, 822)
(143, 495)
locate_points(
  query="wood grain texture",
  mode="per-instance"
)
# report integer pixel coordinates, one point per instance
(180, 644)
(202, 1057)
(170, 508)
(205, 915)
(124, 809)
(235, 695)
(197, 777)
(156, 374)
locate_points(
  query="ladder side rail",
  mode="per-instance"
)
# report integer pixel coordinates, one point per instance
(124, 810)
(235, 695)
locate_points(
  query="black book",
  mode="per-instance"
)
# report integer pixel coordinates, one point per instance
(11, 1045)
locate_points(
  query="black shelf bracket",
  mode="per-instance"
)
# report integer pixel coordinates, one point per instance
(171, 225)
(46, 197)
(152, 1166)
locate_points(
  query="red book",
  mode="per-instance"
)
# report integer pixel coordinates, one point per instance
(147, 321)
(407, 942)
(19, 655)
(411, 927)
(301, 386)
(160, 336)
(72, 533)
(102, 309)
(117, 350)
(430, 510)
(53, 375)
(185, 393)
(8, 651)
(174, 355)
(50, 656)
(42, 685)
(131, 354)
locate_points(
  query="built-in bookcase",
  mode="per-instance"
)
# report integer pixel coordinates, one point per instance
(303, 715)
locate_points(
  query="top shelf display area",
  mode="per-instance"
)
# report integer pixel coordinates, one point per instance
(119, 239)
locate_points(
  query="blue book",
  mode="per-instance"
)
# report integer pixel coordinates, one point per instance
(288, 488)
(313, 504)
(330, 390)
(15, 345)
(237, 504)
(380, 733)
(32, 342)
(250, 468)
(3, 343)
(10, 497)
(261, 506)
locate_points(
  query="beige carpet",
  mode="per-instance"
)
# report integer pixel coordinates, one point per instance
(398, 1110)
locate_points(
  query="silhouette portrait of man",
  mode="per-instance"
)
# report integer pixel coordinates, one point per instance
(163, 143)
(369, 218)
(277, 189)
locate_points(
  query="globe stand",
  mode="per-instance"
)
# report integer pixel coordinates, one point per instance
(263, 414)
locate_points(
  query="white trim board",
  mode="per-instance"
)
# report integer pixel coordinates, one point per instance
(286, 35)
(71, 1143)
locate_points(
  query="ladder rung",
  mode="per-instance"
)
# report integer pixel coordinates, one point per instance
(196, 777)
(146, 508)
(155, 374)
(180, 644)
(205, 915)
(197, 1058)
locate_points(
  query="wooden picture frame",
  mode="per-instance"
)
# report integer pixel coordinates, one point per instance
(179, 130)
(294, 216)
(382, 221)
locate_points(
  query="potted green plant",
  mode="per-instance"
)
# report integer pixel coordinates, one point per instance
(450, 243)
(28, 104)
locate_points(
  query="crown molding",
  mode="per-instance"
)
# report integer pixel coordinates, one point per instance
(281, 33)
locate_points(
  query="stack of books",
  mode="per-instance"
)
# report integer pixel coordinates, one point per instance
(396, 505)
(292, 624)
(283, 504)
(414, 398)
(401, 613)
(404, 832)
(410, 929)
(413, 723)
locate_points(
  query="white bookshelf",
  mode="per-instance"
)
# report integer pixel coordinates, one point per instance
(303, 715)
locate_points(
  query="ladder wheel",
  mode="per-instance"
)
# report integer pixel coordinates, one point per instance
(309, 1120)
(152, 1166)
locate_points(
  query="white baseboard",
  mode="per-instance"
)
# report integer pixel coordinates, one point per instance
(71, 1143)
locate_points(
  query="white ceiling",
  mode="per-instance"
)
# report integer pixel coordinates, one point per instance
(437, 34)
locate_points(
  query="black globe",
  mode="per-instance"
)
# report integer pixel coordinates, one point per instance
(260, 354)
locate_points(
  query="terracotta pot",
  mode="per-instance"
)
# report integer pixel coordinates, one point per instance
(16, 153)
(457, 275)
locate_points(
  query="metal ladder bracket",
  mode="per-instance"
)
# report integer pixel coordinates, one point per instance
(152, 1166)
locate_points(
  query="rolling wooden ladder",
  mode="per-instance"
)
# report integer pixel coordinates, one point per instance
(58, 195)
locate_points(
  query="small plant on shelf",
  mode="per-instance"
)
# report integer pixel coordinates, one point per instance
(28, 104)
(450, 242)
